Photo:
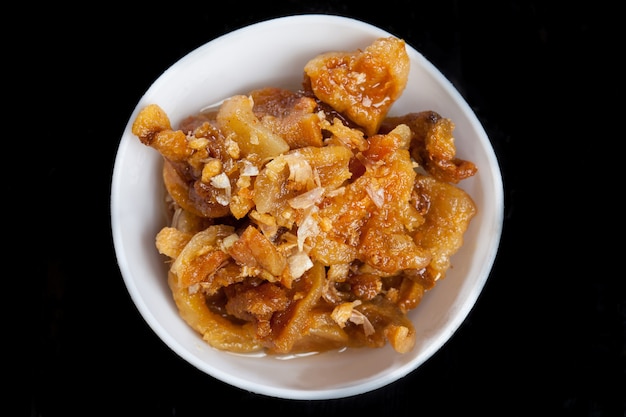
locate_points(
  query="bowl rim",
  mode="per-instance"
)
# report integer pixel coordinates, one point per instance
(289, 392)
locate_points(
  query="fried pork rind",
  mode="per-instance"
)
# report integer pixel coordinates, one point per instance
(308, 221)
(153, 128)
(218, 331)
(447, 217)
(362, 84)
(290, 115)
(432, 145)
(239, 123)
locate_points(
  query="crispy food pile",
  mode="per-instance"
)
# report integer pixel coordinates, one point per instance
(309, 220)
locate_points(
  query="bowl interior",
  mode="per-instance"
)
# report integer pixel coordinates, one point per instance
(273, 53)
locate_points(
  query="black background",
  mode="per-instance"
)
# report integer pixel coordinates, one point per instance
(546, 336)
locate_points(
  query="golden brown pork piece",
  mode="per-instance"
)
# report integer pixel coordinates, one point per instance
(289, 114)
(432, 145)
(448, 211)
(153, 128)
(362, 84)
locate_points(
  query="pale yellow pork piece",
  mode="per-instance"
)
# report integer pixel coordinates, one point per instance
(237, 121)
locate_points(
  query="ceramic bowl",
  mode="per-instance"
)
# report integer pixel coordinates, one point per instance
(273, 53)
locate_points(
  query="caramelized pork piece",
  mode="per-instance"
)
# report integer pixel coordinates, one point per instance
(152, 127)
(370, 220)
(290, 115)
(450, 210)
(362, 84)
(216, 329)
(432, 145)
(256, 251)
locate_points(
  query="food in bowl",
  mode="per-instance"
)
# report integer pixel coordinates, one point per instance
(310, 220)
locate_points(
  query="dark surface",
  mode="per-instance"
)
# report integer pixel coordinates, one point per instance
(546, 336)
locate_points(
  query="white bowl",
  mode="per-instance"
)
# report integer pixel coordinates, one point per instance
(273, 53)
